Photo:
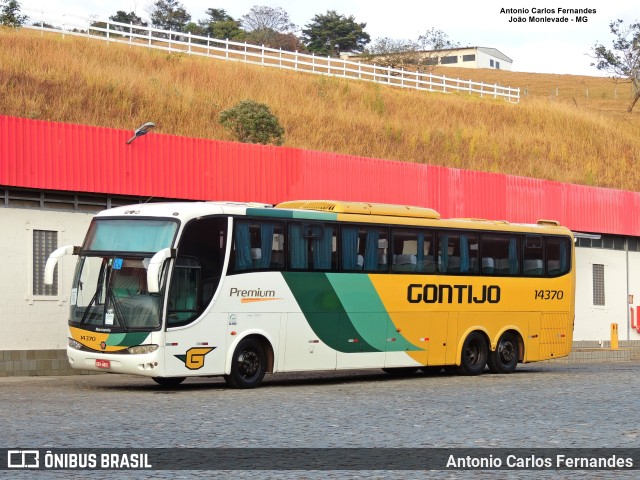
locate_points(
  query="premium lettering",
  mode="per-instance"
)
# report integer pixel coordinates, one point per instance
(235, 292)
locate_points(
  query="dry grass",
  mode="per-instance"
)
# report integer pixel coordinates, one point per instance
(567, 137)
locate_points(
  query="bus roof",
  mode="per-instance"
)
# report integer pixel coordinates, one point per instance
(329, 210)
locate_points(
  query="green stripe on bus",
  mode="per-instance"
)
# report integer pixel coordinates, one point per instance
(297, 214)
(367, 312)
(127, 339)
(325, 313)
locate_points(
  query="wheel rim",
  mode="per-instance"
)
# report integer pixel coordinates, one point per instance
(248, 364)
(506, 351)
(472, 354)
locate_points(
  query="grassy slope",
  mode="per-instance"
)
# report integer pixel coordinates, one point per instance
(556, 132)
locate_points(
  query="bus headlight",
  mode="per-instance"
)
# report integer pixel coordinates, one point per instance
(142, 349)
(74, 344)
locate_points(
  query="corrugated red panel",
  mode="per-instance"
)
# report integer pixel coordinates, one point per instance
(58, 156)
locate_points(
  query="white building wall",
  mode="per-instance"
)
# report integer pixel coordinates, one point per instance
(28, 322)
(593, 322)
(634, 292)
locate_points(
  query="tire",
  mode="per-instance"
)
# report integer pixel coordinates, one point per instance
(248, 365)
(474, 354)
(504, 358)
(168, 381)
(401, 371)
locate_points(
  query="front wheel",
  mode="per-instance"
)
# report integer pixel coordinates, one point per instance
(504, 358)
(474, 354)
(168, 381)
(248, 365)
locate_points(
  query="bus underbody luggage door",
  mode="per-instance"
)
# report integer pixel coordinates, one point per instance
(198, 349)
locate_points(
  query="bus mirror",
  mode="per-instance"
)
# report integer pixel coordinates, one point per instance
(52, 261)
(155, 265)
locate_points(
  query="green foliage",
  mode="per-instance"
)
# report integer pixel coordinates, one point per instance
(220, 25)
(332, 33)
(169, 15)
(253, 122)
(623, 59)
(10, 15)
(122, 17)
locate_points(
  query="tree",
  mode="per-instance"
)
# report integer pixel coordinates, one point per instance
(431, 44)
(10, 15)
(122, 17)
(623, 59)
(169, 15)
(220, 25)
(267, 18)
(253, 122)
(271, 27)
(331, 33)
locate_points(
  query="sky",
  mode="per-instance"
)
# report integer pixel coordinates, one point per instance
(538, 47)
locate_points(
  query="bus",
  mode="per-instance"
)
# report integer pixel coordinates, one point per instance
(174, 290)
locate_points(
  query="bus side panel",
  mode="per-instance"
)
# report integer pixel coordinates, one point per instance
(197, 349)
(304, 349)
(555, 335)
(532, 341)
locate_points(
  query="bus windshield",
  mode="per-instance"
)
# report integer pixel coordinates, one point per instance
(130, 235)
(111, 293)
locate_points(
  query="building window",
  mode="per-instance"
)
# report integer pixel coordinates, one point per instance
(491, 63)
(497, 65)
(598, 284)
(448, 60)
(468, 58)
(44, 242)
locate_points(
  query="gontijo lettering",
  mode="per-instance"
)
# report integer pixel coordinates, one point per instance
(433, 293)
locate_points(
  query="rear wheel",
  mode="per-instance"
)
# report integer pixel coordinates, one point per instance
(168, 381)
(248, 365)
(474, 354)
(504, 358)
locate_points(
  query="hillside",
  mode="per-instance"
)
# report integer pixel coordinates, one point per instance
(566, 128)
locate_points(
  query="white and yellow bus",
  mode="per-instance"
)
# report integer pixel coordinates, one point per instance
(172, 290)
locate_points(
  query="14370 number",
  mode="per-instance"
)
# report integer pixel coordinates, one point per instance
(549, 294)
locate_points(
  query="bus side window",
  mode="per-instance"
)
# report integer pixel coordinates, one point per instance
(533, 264)
(184, 294)
(412, 251)
(312, 246)
(499, 254)
(558, 262)
(457, 252)
(258, 245)
(363, 248)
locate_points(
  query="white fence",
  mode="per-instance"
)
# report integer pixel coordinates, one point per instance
(178, 42)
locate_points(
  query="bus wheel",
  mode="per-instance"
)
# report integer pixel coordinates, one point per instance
(474, 354)
(168, 381)
(504, 358)
(248, 365)
(400, 371)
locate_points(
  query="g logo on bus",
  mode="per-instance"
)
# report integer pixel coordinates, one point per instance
(194, 357)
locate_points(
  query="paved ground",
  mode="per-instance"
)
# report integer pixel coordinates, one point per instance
(539, 406)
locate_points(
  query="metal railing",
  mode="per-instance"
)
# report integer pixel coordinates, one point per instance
(178, 42)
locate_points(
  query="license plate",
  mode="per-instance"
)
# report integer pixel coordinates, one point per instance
(103, 363)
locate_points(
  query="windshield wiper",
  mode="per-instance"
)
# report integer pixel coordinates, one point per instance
(116, 307)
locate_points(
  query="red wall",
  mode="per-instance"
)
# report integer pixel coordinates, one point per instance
(59, 156)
